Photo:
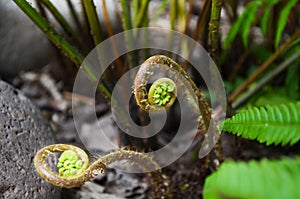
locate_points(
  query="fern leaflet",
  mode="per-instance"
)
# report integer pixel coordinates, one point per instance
(274, 179)
(283, 18)
(270, 124)
(243, 23)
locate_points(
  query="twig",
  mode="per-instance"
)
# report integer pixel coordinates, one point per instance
(264, 66)
(266, 79)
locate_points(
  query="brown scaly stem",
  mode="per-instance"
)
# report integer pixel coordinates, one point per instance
(161, 184)
(193, 95)
(215, 156)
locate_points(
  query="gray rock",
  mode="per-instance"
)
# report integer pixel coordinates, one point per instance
(23, 132)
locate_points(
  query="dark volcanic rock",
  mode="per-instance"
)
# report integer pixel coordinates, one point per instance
(23, 131)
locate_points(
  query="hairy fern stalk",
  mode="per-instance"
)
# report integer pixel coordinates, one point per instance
(271, 124)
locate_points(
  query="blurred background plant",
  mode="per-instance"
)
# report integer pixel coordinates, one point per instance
(254, 36)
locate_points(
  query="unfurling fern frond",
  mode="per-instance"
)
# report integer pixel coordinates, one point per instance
(260, 180)
(270, 124)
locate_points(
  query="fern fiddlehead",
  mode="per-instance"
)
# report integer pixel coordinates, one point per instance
(178, 80)
(162, 92)
(74, 169)
(69, 164)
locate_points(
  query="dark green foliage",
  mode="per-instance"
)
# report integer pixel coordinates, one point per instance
(271, 124)
(249, 16)
(260, 180)
(243, 23)
(266, 15)
(292, 77)
(283, 18)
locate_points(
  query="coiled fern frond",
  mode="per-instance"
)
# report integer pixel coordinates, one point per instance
(260, 180)
(271, 124)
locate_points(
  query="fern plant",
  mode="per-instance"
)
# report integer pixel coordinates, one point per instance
(266, 179)
(248, 18)
(270, 124)
(260, 180)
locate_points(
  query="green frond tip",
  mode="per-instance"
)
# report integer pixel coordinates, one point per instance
(267, 179)
(68, 163)
(162, 92)
(271, 124)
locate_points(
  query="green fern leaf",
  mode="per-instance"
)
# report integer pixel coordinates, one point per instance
(243, 23)
(274, 179)
(266, 14)
(270, 124)
(283, 18)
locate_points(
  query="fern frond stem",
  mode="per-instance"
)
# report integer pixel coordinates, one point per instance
(74, 15)
(266, 79)
(142, 14)
(188, 16)
(135, 6)
(264, 66)
(214, 26)
(173, 9)
(126, 16)
(194, 97)
(92, 16)
(127, 25)
(41, 9)
(181, 16)
(87, 172)
(110, 33)
(63, 22)
(97, 34)
(86, 28)
(173, 13)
